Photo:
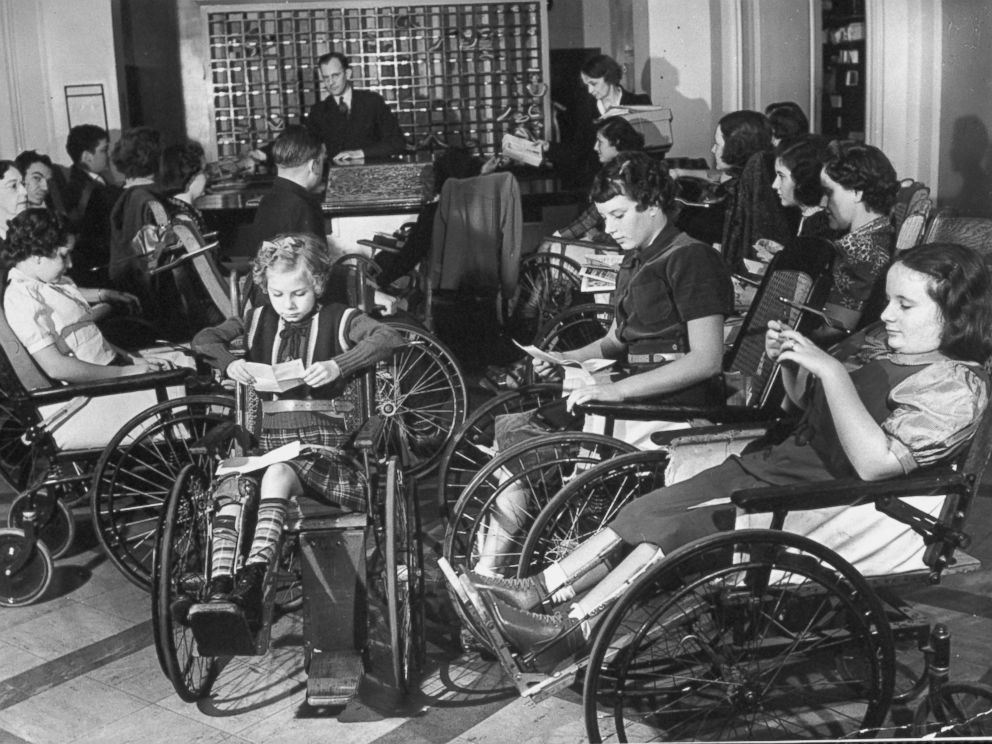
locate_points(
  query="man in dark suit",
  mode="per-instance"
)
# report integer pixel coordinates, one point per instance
(86, 201)
(352, 124)
(293, 205)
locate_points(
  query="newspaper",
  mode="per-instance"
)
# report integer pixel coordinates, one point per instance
(599, 273)
(522, 150)
(577, 374)
(259, 462)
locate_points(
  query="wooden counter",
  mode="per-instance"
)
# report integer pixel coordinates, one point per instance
(361, 199)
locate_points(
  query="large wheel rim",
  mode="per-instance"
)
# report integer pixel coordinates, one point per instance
(737, 636)
(182, 554)
(542, 465)
(587, 505)
(547, 284)
(421, 395)
(137, 471)
(471, 446)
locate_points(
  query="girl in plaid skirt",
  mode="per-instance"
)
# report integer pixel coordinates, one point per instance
(334, 342)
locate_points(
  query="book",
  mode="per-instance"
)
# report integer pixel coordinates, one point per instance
(276, 378)
(259, 462)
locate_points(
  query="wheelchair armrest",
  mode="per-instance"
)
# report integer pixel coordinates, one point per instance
(128, 384)
(844, 492)
(369, 434)
(379, 246)
(661, 412)
(709, 434)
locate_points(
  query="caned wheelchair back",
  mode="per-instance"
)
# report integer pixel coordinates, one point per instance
(974, 232)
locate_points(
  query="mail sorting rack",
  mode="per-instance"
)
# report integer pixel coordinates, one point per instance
(455, 73)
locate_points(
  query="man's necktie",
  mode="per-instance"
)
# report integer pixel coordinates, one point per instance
(342, 106)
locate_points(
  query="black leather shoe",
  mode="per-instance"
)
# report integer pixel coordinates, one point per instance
(248, 591)
(546, 639)
(219, 588)
(524, 594)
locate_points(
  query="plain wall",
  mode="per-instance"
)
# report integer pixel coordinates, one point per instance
(966, 89)
(43, 50)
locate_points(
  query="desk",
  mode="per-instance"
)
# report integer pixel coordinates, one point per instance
(362, 199)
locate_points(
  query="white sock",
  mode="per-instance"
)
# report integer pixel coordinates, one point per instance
(562, 595)
(576, 612)
(555, 578)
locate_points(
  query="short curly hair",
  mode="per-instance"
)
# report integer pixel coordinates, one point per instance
(637, 176)
(620, 133)
(286, 252)
(787, 120)
(180, 162)
(961, 285)
(603, 66)
(136, 154)
(804, 156)
(34, 232)
(744, 134)
(864, 168)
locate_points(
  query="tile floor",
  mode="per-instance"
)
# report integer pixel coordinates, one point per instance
(80, 667)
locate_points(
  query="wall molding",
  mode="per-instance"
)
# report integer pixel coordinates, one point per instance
(904, 51)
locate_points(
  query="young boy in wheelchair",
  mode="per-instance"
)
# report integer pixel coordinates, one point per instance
(905, 394)
(334, 343)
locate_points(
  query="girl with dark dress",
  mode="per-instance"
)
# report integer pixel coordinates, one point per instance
(897, 397)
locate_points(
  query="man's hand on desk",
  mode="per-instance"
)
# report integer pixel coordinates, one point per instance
(347, 156)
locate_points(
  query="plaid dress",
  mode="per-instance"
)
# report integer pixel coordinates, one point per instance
(329, 477)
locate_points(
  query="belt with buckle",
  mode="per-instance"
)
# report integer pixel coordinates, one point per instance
(656, 358)
(333, 407)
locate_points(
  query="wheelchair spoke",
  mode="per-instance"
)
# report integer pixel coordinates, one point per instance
(139, 468)
(745, 640)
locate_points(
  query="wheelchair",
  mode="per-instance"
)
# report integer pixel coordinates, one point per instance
(50, 450)
(781, 628)
(356, 577)
(756, 399)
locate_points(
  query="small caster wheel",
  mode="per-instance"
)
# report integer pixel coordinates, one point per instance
(57, 532)
(25, 584)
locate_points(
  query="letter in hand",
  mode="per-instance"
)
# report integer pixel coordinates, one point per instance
(321, 373)
(238, 371)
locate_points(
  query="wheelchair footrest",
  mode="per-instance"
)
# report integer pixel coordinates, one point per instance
(220, 629)
(333, 677)
(470, 599)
